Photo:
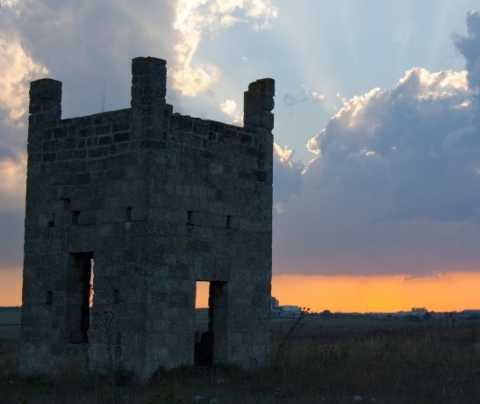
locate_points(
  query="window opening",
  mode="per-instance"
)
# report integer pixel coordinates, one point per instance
(210, 323)
(116, 296)
(75, 216)
(49, 300)
(80, 296)
(91, 296)
(66, 203)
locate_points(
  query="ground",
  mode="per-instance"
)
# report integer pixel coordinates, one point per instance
(322, 360)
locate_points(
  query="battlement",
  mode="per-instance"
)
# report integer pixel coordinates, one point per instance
(149, 122)
(45, 102)
(149, 82)
(259, 103)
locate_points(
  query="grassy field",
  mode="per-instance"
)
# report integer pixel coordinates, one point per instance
(9, 323)
(9, 316)
(344, 360)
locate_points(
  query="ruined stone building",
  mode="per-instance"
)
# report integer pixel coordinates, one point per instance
(126, 211)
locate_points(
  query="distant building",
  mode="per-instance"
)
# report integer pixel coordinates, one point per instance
(286, 311)
(416, 313)
(419, 311)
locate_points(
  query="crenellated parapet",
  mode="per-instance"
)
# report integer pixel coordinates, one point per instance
(149, 83)
(259, 104)
(45, 102)
(149, 124)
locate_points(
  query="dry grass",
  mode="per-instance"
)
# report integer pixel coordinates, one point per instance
(414, 366)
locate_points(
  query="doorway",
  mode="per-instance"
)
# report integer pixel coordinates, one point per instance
(210, 323)
(80, 296)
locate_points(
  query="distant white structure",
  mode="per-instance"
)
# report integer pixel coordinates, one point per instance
(285, 311)
(419, 312)
(415, 312)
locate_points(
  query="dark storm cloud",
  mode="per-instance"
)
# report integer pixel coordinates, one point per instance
(287, 179)
(396, 184)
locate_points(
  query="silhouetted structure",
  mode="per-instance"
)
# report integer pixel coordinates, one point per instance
(137, 205)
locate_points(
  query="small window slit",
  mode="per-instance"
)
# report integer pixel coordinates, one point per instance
(75, 216)
(116, 296)
(66, 203)
(129, 214)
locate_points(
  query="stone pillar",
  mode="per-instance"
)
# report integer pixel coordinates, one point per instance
(258, 117)
(149, 86)
(258, 104)
(45, 102)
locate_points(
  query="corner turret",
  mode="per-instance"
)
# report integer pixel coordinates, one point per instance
(45, 101)
(258, 104)
(149, 82)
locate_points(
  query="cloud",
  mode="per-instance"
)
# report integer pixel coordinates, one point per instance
(190, 24)
(419, 136)
(96, 74)
(9, 4)
(12, 186)
(469, 46)
(230, 108)
(395, 186)
(11, 240)
(196, 18)
(287, 179)
(87, 45)
(12, 192)
(316, 96)
(304, 95)
(17, 68)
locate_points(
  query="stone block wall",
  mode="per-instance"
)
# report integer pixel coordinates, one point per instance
(159, 201)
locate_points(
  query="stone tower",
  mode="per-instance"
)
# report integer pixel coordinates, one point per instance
(126, 211)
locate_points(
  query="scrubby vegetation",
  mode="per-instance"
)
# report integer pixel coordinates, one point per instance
(320, 363)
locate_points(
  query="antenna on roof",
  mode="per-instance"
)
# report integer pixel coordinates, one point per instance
(103, 95)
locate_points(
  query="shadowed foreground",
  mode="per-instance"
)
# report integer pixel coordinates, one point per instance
(319, 363)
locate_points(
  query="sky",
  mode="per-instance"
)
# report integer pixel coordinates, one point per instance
(377, 125)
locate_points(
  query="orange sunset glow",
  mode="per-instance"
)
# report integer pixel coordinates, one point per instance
(446, 292)
(10, 288)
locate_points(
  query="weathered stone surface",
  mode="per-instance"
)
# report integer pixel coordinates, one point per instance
(159, 201)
